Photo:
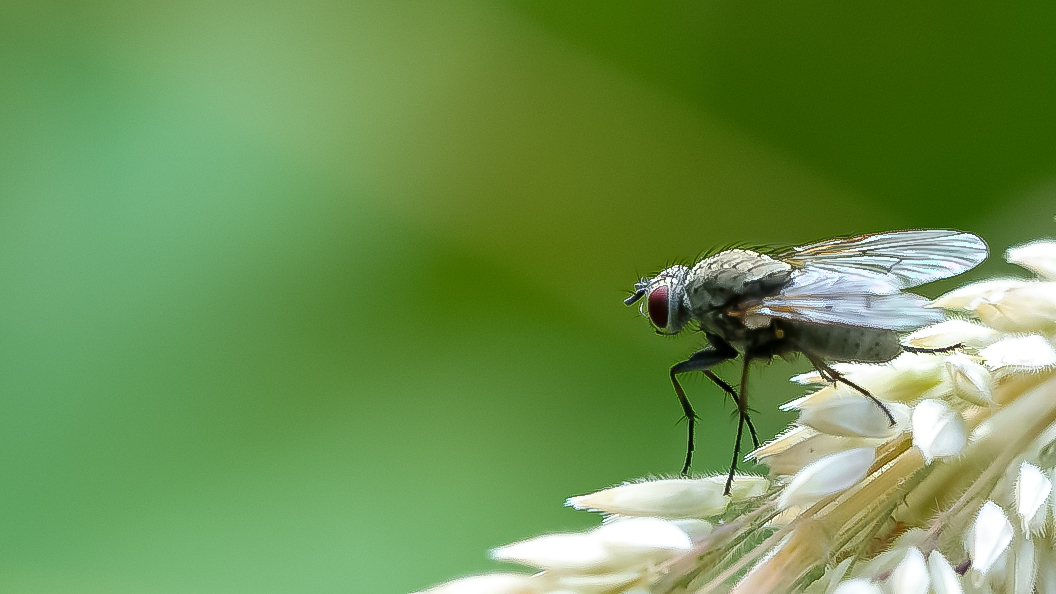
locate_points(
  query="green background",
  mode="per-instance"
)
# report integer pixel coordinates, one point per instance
(325, 297)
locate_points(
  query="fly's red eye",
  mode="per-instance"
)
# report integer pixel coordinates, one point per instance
(658, 306)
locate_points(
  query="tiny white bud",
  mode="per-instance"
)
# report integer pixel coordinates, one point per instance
(853, 416)
(964, 297)
(910, 576)
(1030, 308)
(826, 476)
(938, 430)
(857, 586)
(971, 381)
(1037, 256)
(1032, 492)
(1027, 353)
(950, 333)
(944, 580)
(490, 583)
(989, 537)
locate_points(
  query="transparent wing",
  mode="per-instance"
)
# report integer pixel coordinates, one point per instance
(904, 258)
(868, 302)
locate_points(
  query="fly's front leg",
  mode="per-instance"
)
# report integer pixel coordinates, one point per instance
(702, 360)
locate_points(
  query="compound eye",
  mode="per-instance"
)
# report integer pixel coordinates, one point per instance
(658, 306)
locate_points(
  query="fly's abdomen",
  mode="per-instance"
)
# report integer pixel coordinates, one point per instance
(846, 343)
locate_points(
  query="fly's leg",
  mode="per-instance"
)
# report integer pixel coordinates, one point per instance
(830, 374)
(729, 390)
(702, 360)
(948, 349)
(742, 408)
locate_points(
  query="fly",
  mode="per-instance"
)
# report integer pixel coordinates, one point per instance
(836, 300)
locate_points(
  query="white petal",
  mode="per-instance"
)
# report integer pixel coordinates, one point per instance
(989, 537)
(559, 552)
(853, 416)
(910, 576)
(489, 583)
(1037, 256)
(950, 333)
(964, 296)
(944, 580)
(1026, 352)
(938, 430)
(826, 476)
(857, 586)
(971, 381)
(1032, 491)
(669, 498)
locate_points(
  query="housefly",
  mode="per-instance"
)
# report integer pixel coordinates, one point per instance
(836, 300)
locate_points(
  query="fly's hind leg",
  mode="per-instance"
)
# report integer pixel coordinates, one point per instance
(702, 360)
(830, 374)
(948, 349)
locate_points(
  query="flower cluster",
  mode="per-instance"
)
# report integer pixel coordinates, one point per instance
(956, 496)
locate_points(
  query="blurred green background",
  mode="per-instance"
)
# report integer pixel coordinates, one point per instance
(325, 297)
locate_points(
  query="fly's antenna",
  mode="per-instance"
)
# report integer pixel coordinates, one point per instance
(638, 294)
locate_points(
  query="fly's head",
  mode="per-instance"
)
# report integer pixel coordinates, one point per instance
(664, 302)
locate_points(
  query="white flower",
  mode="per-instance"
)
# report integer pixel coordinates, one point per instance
(671, 498)
(950, 333)
(910, 576)
(491, 583)
(1036, 256)
(988, 538)
(1023, 353)
(853, 416)
(971, 381)
(938, 430)
(944, 580)
(826, 476)
(1032, 492)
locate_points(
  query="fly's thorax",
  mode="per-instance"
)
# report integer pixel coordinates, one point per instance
(733, 276)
